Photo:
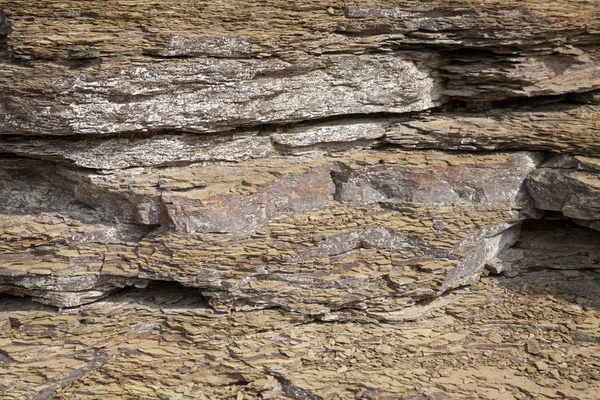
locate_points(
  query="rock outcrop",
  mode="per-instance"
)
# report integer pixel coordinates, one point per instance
(294, 200)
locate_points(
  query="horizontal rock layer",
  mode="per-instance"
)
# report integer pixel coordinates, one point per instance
(302, 235)
(492, 340)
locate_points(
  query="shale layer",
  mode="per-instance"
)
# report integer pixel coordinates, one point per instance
(306, 201)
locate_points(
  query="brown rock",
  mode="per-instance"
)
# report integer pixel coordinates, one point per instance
(495, 337)
(541, 366)
(384, 349)
(299, 199)
(533, 347)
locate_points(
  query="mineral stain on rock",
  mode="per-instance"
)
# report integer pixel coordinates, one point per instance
(241, 200)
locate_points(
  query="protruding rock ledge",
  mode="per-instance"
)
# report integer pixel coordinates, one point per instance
(213, 95)
(371, 233)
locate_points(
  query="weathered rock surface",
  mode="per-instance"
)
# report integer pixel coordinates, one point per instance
(580, 183)
(165, 342)
(299, 200)
(313, 234)
(572, 128)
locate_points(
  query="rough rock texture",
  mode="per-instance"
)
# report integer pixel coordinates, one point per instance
(373, 231)
(299, 200)
(494, 340)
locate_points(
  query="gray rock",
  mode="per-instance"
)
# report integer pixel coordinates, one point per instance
(214, 95)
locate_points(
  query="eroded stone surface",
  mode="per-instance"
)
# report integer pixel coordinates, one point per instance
(214, 95)
(314, 236)
(301, 194)
(474, 344)
(567, 184)
(556, 128)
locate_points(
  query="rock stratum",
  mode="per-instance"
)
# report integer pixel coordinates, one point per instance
(300, 200)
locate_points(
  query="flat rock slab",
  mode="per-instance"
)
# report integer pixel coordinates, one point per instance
(573, 128)
(216, 95)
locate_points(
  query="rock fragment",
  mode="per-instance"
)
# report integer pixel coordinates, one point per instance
(533, 347)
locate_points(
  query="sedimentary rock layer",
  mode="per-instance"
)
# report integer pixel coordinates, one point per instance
(316, 234)
(269, 199)
(493, 340)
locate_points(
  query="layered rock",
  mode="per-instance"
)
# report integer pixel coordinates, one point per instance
(265, 167)
(491, 340)
(318, 234)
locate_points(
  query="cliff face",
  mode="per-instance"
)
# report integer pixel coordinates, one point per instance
(296, 198)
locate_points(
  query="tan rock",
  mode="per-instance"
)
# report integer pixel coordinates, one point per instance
(299, 200)
(495, 338)
(533, 347)
(541, 366)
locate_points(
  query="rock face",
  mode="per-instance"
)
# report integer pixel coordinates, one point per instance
(295, 198)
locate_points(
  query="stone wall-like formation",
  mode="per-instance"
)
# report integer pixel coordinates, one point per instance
(274, 166)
